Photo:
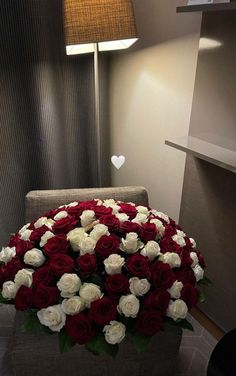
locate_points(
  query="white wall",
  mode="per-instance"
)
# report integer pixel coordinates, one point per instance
(151, 88)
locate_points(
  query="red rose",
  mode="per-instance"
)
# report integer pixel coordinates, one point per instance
(80, 328)
(22, 246)
(149, 322)
(107, 245)
(61, 264)
(162, 275)
(168, 245)
(188, 245)
(38, 233)
(111, 222)
(138, 266)
(102, 311)
(128, 226)
(64, 225)
(88, 205)
(11, 268)
(45, 296)
(148, 231)
(43, 276)
(2, 277)
(87, 264)
(190, 295)
(75, 211)
(101, 210)
(24, 298)
(117, 284)
(201, 259)
(158, 300)
(55, 245)
(169, 231)
(185, 258)
(128, 209)
(185, 275)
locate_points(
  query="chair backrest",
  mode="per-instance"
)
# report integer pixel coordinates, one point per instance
(38, 202)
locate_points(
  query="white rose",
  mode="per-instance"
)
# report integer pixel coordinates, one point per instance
(177, 309)
(71, 204)
(44, 221)
(7, 253)
(114, 332)
(98, 231)
(109, 202)
(140, 218)
(194, 257)
(179, 240)
(171, 258)
(160, 215)
(73, 305)
(34, 257)
(53, 317)
(122, 217)
(25, 235)
(48, 235)
(90, 292)
(193, 243)
(87, 245)
(25, 227)
(24, 277)
(181, 233)
(87, 217)
(128, 305)
(69, 284)
(142, 209)
(9, 290)
(139, 287)
(198, 272)
(130, 243)
(151, 250)
(62, 214)
(75, 236)
(175, 290)
(159, 225)
(113, 264)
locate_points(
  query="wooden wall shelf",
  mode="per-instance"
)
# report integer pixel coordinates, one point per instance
(207, 151)
(207, 7)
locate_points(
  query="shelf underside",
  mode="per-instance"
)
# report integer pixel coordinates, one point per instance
(207, 7)
(211, 153)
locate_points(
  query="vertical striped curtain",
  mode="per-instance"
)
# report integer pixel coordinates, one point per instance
(47, 130)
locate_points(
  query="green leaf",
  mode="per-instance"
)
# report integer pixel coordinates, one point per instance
(201, 297)
(3, 300)
(139, 341)
(98, 345)
(180, 323)
(96, 279)
(205, 281)
(65, 342)
(32, 323)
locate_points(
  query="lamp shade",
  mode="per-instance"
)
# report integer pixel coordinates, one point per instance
(110, 23)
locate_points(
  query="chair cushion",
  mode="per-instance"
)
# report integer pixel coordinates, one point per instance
(38, 202)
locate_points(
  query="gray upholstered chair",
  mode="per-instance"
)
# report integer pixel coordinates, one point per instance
(34, 354)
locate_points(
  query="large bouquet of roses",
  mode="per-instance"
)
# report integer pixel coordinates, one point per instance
(96, 272)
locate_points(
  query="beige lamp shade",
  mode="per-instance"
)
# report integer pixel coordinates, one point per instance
(110, 23)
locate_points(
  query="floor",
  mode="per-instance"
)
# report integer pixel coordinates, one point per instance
(196, 347)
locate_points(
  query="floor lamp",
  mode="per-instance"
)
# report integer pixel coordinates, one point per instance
(91, 26)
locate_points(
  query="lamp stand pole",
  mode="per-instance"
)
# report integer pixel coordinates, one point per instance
(97, 112)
